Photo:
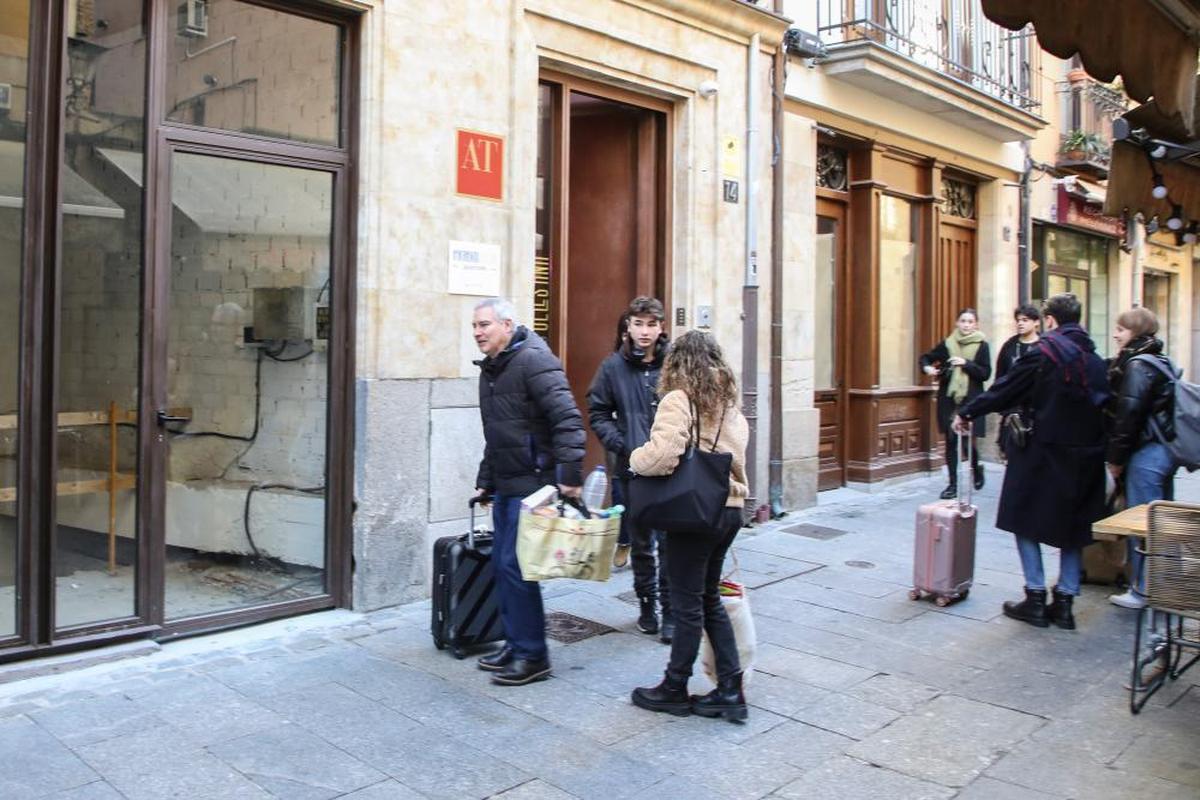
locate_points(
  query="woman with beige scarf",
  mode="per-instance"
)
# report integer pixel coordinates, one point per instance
(962, 362)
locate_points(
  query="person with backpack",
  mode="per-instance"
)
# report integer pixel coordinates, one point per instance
(1141, 423)
(1054, 485)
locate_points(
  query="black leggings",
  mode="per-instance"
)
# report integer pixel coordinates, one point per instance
(695, 565)
(952, 456)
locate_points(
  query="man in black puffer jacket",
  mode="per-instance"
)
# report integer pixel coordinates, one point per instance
(533, 434)
(621, 405)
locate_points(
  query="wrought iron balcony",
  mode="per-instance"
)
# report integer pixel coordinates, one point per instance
(950, 37)
(1089, 107)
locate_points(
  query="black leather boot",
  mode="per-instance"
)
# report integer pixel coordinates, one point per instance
(648, 618)
(726, 701)
(494, 662)
(950, 492)
(1032, 609)
(1059, 611)
(670, 696)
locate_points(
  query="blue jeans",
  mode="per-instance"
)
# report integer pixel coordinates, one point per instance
(1149, 475)
(521, 611)
(1070, 569)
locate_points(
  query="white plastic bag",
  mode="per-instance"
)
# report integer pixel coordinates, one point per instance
(737, 606)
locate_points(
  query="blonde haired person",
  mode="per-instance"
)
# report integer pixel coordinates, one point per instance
(696, 380)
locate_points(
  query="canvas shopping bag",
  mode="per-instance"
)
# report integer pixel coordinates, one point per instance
(560, 547)
(737, 606)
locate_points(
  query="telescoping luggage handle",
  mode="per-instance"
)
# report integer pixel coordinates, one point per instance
(964, 463)
(479, 499)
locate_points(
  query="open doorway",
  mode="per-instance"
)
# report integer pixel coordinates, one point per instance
(603, 223)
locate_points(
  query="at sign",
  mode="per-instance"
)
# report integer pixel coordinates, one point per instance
(480, 165)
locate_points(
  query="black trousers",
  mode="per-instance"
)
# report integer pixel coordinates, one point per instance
(650, 578)
(697, 559)
(952, 456)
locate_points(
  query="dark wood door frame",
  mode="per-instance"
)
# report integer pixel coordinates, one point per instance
(37, 385)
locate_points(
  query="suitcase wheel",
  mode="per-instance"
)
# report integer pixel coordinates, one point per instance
(941, 601)
(914, 594)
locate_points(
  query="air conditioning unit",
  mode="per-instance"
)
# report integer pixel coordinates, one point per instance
(5, 96)
(803, 43)
(193, 18)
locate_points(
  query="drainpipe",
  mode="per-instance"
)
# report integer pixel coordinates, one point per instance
(1138, 239)
(750, 284)
(1025, 228)
(779, 86)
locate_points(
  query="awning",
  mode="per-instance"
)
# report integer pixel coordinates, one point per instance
(79, 197)
(1151, 45)
(1131, 180)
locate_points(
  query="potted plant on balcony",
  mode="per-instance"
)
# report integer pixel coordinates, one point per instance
(1080, 145)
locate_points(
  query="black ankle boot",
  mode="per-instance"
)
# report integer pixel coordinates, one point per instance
(1059, 611)
(669, 696)
(648, 618)
(727, 701)
(1032, 609)
(950, 492)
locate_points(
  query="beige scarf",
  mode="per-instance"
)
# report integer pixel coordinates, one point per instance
(965, 347)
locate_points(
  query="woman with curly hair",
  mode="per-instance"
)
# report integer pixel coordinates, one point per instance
(696, 383)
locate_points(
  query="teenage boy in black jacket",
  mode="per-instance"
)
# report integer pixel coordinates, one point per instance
(621, 405)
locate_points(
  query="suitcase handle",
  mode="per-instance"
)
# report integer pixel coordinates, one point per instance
(479, 499)
(965, 464)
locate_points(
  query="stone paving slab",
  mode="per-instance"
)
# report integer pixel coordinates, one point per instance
(848, 779)
(37, 764)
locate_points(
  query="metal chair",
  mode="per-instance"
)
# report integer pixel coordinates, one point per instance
(1170, 621)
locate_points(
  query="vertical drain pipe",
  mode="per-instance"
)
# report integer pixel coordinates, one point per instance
(778, 93)
(750, 283)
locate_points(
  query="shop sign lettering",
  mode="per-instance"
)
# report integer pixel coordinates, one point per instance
(480, 165)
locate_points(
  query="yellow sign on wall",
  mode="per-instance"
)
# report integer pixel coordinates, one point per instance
(731, 157)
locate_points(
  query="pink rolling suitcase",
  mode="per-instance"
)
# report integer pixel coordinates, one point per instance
(944, 552)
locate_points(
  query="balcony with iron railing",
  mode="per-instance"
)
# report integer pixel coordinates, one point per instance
(941, 55)
(1088, 108)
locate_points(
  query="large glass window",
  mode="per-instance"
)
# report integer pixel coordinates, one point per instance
(1077, 263)
(14, 69)
(897, 293)
(825, 304)
(100, 307)
(247, 368)
(241, 67)
(1156, 296)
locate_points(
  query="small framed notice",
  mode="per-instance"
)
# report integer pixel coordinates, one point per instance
(474, 269)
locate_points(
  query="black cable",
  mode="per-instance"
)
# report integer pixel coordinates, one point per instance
(258, 555)
(257, 412)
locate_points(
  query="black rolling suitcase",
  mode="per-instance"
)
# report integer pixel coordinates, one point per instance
(465, 610)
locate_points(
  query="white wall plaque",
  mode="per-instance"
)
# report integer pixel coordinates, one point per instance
(474, 269)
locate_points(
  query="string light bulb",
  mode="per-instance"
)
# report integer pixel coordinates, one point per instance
(1152, 226)
(1159, 152)
(1175, 221)
(1190, 236)
(1160, 189)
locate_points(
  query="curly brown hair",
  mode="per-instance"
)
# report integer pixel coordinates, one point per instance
(696, 366)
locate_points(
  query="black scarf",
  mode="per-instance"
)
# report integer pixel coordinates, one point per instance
(1140, 345)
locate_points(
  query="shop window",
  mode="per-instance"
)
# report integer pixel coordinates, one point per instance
(235, 68)
(1156, 296)
(1069, 261)
(825, 307)
(897, 292)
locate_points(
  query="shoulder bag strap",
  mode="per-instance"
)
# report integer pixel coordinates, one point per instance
(720, 425)
(695, 426)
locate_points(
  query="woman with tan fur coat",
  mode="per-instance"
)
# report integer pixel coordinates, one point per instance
(695, 381)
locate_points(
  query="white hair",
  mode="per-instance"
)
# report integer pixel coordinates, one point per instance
(500, 307)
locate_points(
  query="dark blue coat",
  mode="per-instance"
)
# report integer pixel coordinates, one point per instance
(1053, 487)
(622, 400)
(531, 426)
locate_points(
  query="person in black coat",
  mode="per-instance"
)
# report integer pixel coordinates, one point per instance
(533, 434)
(621, 404)
(1054, 487)
(1028, 320)
(1141, 420)
(962, 363)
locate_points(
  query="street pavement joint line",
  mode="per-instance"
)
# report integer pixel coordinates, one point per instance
(820, 567)
(813, 725)
(1042, 717)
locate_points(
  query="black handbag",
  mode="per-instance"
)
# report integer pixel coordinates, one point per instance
(1018, 429)
(693, 497)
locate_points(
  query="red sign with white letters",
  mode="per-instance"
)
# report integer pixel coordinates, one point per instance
(480, 168)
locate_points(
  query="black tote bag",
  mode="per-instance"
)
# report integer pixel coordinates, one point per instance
(693, 497)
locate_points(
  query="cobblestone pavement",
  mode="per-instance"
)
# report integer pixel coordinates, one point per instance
(857, 692)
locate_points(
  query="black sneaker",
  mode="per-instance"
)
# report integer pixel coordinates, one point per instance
(648, 618)
(494, 662)
(521, 672)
